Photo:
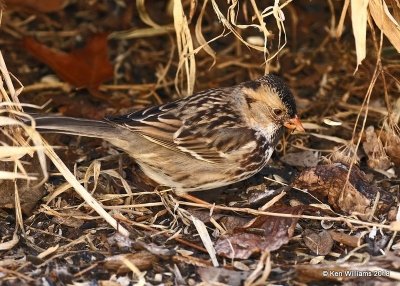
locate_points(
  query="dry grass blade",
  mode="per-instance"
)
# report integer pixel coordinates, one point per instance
(394, 226)
(385, 21)
(142, 33)
(359, 16)
(92, 171)
(48, 251)
(200, 38)
(82, 191)
(9, 84)
(205, 238)
(144, 16)
(229, 24)
(279, 17)
(339, 29)
(16, 137)
(263, 269)
(11, 243)
(155, 30)
(185, 48)
(140, 275)
(275, 10)
(4, 175)
(16, 152)
(21, 135)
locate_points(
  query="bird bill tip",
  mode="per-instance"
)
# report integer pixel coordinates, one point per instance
(294, 124)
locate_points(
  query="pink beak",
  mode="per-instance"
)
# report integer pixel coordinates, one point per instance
(294, 124)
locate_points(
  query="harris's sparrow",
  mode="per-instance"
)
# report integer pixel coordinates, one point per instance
(207, 140)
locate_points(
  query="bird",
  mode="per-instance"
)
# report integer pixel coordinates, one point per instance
(210, 139)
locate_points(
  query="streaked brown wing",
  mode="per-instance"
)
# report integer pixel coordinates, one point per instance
(162, 127)
(215, 145)
(157, 123)
(192, 126)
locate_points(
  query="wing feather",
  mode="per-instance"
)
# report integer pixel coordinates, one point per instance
(184, 126)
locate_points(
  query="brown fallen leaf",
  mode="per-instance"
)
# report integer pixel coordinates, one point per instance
(143, 260)
(384, 20)
(374, 271)
(87, 67)
(71, 218)
(328, 183)
(265, 233)
(301, 159)
(42, 6)
(373, 147)
(392, 146)
(345, 239)
(320, 243)
(191, 260)
(221, 276)
(30, 193)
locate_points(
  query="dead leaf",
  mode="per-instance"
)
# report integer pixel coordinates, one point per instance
(155, 249)
(375, 270)
(395, 7)
(221, 276)
(359, 15)
(119, 241)
(191, 260)
(42, 6)
(71, 218)
(319, 243)
(328, 182)
(385, 21)
(345, 239)
(301, 159)
(373, 147)
(29, 192)
(143, 260)
(87, 67)
(265, 233)
(392, 146)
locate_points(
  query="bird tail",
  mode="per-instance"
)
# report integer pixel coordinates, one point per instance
(76, 126)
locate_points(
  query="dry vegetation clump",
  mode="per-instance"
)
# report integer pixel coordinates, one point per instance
(76, 210)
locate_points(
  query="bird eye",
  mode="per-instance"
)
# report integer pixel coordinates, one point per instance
(278, 112)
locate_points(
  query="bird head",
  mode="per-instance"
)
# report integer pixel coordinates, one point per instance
(270, 101)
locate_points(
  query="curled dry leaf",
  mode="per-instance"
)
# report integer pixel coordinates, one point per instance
(373, 147)
(306, 273)
(30, 193)
(265, 233)
(345, 239)
(376, 270)
(87, 67)
(155, 249)
(328, 182)
(71, 218)
(301, 159)
(119, 241)
(385, 21)
(221, 276)
(42, 6)
(191, 260)
(143, 260)
(319, 243)
(391, 144)
(359, 16)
